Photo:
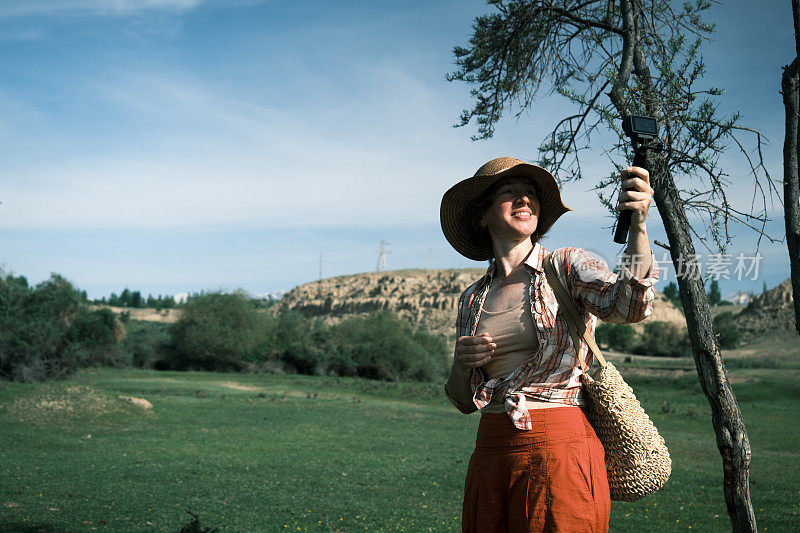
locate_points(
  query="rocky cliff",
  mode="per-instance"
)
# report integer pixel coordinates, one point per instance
(771, 310)
(427, 298)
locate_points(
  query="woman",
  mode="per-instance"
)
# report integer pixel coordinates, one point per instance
(537, 465)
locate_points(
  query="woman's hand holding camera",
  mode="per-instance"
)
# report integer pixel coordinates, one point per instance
(636, 195)
(474, 351)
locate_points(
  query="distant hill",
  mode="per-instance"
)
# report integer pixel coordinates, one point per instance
(772, 310)
(426, 298)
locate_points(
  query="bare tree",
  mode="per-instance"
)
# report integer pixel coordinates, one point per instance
(790, 87)
(610, 59)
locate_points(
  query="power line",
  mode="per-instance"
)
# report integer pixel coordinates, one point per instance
(382, 256)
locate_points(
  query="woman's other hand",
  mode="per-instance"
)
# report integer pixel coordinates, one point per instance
(474, 352)
(636, 194)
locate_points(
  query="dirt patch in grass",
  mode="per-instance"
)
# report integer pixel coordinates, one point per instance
(239, 386)
(55, 404)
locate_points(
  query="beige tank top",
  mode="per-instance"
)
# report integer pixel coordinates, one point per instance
(513, 332)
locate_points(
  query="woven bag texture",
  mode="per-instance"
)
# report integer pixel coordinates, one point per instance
(637, 458)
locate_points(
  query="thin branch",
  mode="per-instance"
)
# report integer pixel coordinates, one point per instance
(583, 22)
(574, 132)
(742, 220)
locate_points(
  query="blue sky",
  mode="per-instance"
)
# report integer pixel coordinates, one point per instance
(180, 145)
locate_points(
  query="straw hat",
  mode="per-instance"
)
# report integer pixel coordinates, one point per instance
(455, 213)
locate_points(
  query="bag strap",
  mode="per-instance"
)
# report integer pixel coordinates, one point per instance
(577, 328)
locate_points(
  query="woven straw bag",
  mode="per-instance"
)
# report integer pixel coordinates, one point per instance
(637, 459)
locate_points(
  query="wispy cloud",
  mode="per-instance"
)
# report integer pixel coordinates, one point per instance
(24, 8)
(196, 154)
(22, 35)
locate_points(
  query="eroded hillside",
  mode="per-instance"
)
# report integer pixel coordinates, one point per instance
(427, 298)
(771, 310)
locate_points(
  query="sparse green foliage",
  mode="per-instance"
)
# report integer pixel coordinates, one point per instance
(620, 337)
(135, 299)
(727, 331)
(94, 328)
(47, 332)
(226, 331)
(671, 293)
(671, 290)
(714, 295)
(217, 331)
(300, 344)
(383, 346)
(663, 339)
(148, 344)
(378, 346)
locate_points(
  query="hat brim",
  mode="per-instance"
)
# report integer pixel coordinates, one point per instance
(454, 212)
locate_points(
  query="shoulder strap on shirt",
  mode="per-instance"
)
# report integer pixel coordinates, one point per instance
(576, 326)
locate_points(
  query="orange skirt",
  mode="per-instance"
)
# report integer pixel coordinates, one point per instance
(552, 478)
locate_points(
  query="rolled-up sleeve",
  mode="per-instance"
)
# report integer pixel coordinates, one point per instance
(462, 328)
(463, 407)
(614, 298)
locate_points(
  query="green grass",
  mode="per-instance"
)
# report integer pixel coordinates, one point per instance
(359, 456)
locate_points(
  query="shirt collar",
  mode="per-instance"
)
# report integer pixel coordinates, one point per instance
(535, 260)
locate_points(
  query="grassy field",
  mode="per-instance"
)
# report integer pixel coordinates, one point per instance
(302, 453)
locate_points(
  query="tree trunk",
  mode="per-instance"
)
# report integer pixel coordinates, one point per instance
(726, 417)
(790, 81)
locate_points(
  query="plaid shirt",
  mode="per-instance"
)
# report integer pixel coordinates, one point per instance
(552, 372)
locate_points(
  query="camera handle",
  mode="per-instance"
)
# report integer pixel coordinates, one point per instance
(624, 220)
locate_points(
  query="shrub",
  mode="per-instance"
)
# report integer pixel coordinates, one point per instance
(148, 344)
(217, 332)
(299, 343)
(620, 337)
(93, 336)
(226, 332)
(727, 331)
(96, 329)
(383, 346)
(46, 331)
(33, 324)
(663, 339)
(379, 346)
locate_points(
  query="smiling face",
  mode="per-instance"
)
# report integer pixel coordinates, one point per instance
(514, 212)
